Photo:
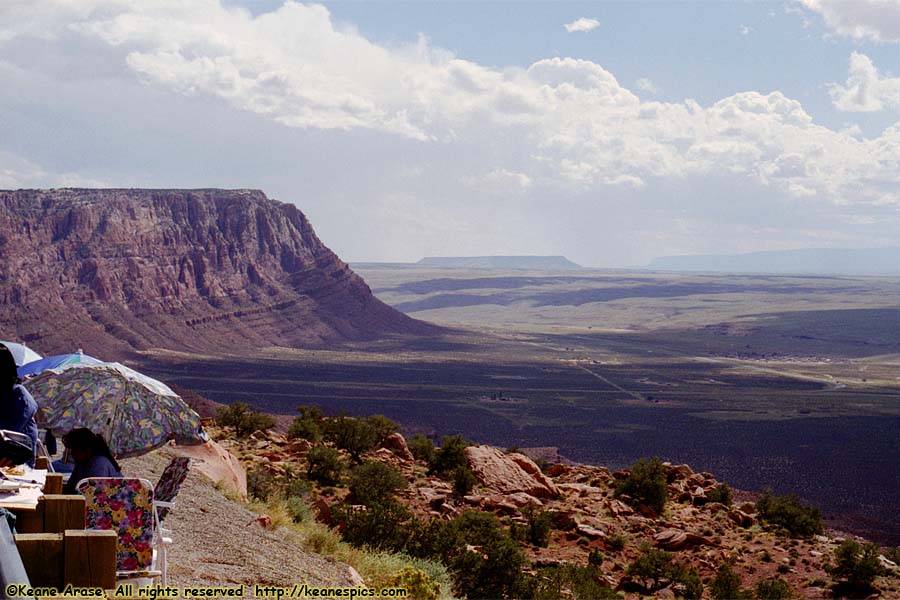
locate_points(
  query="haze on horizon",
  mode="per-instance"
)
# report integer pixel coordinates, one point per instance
(610, 133)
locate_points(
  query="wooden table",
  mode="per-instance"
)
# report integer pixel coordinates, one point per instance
(27, 497)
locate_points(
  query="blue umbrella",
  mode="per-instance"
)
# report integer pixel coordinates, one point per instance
(21, 353)
(56, 362)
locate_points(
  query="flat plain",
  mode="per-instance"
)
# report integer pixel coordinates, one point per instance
(786, 382)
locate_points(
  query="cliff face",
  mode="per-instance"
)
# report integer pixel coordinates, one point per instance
(202, 270)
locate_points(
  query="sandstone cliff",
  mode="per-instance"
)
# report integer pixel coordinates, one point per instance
(208, 270)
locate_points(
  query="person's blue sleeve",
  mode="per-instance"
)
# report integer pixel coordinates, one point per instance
(18, 410)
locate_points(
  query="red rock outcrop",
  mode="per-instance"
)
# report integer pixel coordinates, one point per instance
(113, 270)
(503, 473)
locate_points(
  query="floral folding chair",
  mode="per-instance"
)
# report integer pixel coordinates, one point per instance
(168, 485)
(125, 505)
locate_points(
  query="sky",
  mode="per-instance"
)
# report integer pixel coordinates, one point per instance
(611, 133)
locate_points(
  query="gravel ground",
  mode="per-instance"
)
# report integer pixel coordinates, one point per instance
(217, 542)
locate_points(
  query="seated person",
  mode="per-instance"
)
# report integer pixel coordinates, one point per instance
(17, 407)
(91, 455)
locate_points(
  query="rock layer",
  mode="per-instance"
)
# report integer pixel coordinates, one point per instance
(202, 270)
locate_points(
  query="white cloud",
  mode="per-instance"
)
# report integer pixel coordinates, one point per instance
(866, 90)
(561, 128)
(745, 30)
(875, 20)
(582, 25)
(646, 85)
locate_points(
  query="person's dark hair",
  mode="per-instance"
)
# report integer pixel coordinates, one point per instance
(85, 439)
(9, 374)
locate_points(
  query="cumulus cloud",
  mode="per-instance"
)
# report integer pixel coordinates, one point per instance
(745, 30)
(560, 128)
(582, 25)
(875, 20)
(646, 85)
(866, 90)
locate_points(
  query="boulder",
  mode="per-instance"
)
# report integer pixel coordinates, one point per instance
(218, 464)
(578, 489)
(504, 474)
(590, 532)
(396, 443)
(676, 539)
(741, 519)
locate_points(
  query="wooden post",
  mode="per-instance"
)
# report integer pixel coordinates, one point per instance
(42, 462)
(54, 483)
(90, 558)
(42, 555)
(30, 521)
(62, 512)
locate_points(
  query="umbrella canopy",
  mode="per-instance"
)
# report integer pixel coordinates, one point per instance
(55, 362)
(22, 353)
(135, 413)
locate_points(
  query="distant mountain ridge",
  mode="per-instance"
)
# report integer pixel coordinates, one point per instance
(209, 270)
(500, 262)
(821, 261)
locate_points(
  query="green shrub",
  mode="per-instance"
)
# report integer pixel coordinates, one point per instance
(450, 455)
(773, 589)
(375, 483)
(418, 584)
(691, 585)
(261, 484)
(788, 513)
(721, 493)
(324, 465)
(298, 510)
(308, 425)
(856, 564)
(893, 554)
(726, 585)
(463, 481)
(493, 570)
(595, 558)
(616, 542)
(353, 435)
(383, 427)
(538, 526)
(380, 526)
(244, 419)
(565, 581)
(421, 447)
(645, 485)
(655, 568)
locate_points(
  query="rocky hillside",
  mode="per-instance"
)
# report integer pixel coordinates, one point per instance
(112, 270)
(579, 536)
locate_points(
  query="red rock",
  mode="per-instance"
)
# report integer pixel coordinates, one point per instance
(117, 270)
(264, 521)
(508, 473)
(396, 443)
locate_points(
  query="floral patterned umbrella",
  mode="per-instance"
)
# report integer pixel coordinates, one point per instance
(135, 413)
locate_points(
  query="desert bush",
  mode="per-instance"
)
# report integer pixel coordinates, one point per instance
(261, 484)
(450, 455)
(645, 485)
(893, 554)
(855, 563)
(243, 419)
(353, 435)
(375, 483)
(463, 481)
(383, 427)
(773, 589)
(298, 509)
(655, 568)
(691, 585)
(538, 524)
(566, 581)
(308, 425)
(324, 465)
(418, 584)
(421, 447)
(380, 526)
(726, 585)
(616, 542)
(595, 558)
(493, 570)
(788, 513)
(721, 493)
